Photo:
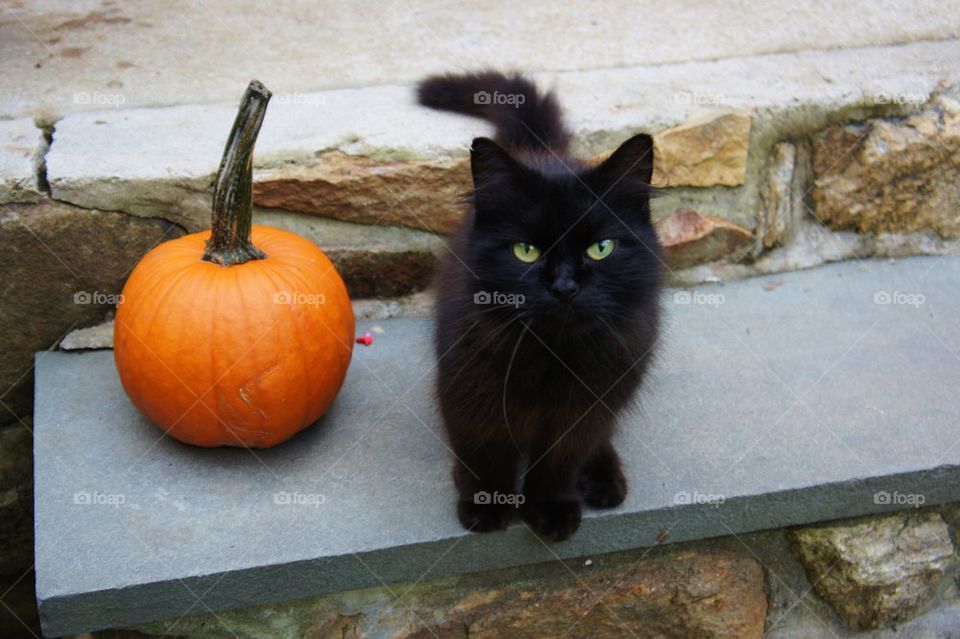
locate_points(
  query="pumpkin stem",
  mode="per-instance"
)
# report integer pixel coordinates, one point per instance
(229, 242)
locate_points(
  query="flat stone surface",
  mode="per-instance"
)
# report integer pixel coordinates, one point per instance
(90, 54)
(21, 146)
(774, 403)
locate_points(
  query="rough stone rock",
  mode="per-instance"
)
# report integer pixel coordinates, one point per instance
(877, 571)
(62, 269)
(895, 175)
(690, 595)
(709, 592)
(416, 305)
(383, 273)
(92, 337)
(705, 151)
(415, 194)
(22, 146)
(16, 498)
(18, 615)
(782, 194)
(689, 238)
(374, 261)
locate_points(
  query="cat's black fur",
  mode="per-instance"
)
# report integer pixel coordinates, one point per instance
(530, 393)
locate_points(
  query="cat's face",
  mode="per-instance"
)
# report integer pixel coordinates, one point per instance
(562, 242)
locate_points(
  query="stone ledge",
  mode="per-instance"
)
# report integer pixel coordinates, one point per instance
(327, 142)
(399, 45)
(22, 147)
(790, 403)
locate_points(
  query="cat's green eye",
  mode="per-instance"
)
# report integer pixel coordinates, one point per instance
(601, 250)
(527, 253)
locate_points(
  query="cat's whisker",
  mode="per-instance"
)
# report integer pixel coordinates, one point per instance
(506, 379)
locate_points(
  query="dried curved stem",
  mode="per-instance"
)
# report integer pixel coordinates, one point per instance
(229, 242)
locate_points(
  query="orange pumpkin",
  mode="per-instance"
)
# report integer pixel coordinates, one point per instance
(237, 336)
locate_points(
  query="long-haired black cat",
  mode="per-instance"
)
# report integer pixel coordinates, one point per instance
(547, 310)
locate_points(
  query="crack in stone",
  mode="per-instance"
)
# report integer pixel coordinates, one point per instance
(40, 156)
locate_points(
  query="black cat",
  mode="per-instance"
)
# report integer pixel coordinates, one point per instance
(547, 310)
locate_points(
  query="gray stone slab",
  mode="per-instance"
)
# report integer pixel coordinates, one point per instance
(147, 54)
(790, 400)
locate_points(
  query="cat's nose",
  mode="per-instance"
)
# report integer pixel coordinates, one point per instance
(565, 288)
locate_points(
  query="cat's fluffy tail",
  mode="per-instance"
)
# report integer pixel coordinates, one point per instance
(524, 117)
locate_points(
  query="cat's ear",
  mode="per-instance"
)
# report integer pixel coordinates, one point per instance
(492, 165)
(631, 163)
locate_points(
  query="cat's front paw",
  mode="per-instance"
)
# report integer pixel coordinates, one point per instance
(603, 489)
(556, 519)
(482, 518)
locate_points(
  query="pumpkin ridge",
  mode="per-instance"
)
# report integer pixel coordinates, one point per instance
(306, 379)
(160, 308)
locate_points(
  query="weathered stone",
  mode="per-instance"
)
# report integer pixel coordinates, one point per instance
(92, 337)
(877, 571)
(374, 261)
(782, 194)
(18, 615)
(22, 146)
(16, 498)
(172, 179)
(62, 268)
(893, 175)
(706, 151)
(416, 194)
(734, 205)
(94, 67)
(686, 595)
(382, 124)
(689, 238)
(709, 592)
(416, 305)
(382, 273)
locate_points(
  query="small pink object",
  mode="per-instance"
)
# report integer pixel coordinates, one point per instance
(366, 340)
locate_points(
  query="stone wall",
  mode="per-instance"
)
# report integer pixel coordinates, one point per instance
(884, 576)
(750, 187)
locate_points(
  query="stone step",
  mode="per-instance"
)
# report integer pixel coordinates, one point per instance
(83, 56)
(820, 394)
(372, 155)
